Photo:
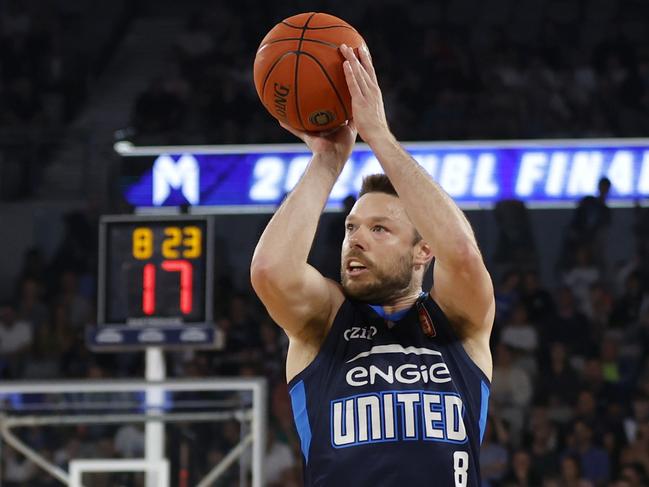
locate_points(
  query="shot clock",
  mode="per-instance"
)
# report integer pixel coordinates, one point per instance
(155, 280)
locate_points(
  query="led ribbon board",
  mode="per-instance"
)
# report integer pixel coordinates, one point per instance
(476, 174)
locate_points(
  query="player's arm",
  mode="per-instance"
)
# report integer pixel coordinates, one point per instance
(296, 295)
(463, 286)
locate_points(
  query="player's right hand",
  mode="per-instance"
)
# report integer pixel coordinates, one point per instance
(367, 99)
(337, 143)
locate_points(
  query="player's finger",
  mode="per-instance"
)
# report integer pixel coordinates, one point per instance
(352, 84)
(356, 68)
(366, 61)
(332, 131)
(365, 79)
(297, 133)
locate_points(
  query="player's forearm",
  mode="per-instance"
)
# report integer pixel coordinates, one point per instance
(435, 215)
(286, 242)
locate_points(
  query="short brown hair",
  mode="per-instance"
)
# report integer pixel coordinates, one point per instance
(380, 183)
(377, 183)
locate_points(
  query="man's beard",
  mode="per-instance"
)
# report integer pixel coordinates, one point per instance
(383, 286)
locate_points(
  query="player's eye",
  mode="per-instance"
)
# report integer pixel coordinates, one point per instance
(349, 227)
(378, 228)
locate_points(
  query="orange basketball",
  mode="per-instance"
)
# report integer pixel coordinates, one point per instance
(299, 71)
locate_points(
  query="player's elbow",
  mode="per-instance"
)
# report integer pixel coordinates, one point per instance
(266, 275)
(261, 274)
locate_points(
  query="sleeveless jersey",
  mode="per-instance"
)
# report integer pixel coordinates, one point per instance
(390, 401)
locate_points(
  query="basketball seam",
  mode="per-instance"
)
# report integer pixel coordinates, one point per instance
(340, 99)
(318, 28)
(297, 70)
(317, 41)
(272, 67)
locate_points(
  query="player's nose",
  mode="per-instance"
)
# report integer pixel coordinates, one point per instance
(358, 239)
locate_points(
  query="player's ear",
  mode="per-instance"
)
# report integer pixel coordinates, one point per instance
(423, 253)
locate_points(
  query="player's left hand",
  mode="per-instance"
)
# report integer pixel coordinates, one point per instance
(367, 100)
(337, 142)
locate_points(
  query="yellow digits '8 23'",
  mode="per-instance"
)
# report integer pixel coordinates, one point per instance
(190, 238)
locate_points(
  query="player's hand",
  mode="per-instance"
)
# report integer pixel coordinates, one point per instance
(337, 143)
(367, 100)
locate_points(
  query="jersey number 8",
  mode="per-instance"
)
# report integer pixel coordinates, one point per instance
(460, 467)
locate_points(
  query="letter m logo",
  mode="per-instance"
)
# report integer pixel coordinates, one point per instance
(183, 175)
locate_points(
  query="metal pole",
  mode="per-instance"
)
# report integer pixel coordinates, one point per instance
(259, 398)
(154, 434)
(228, 460)
(244, 431)
(13, 441)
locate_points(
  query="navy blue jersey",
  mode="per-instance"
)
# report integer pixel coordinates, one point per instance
(390, 401)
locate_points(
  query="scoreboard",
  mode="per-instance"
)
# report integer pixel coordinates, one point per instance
(154, 271)
(155, 282)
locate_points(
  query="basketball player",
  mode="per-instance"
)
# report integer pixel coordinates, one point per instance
(389, 384)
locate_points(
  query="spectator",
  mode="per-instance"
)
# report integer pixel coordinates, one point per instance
(558, 383)
(593, 460)
(521, 336)
(507, 295)
(511, 391)
(634, 474)
(271, 349)
(493, 453)
(17, 471)
(639, 415)
(627, 308)
(581, 277)
(571, 473)
(585, 408)
(16, 338)
(543, 449)
(521, 473)
(279, 463)
(78, 309)
(638, 450)
(538, 301)
(570, 326)
(614, 369)
(30, 304)
(592, 216)
(598, 311)
(519, 332)
(129, 441)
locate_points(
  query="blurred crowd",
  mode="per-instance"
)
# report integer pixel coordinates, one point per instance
(570, 396)
(42, 74)
(452, 69)
(50, 53)
(41, 84)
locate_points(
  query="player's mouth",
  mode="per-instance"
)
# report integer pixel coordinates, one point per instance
(355, 268)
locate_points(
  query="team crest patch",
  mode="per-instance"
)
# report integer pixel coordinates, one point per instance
(425, 321)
